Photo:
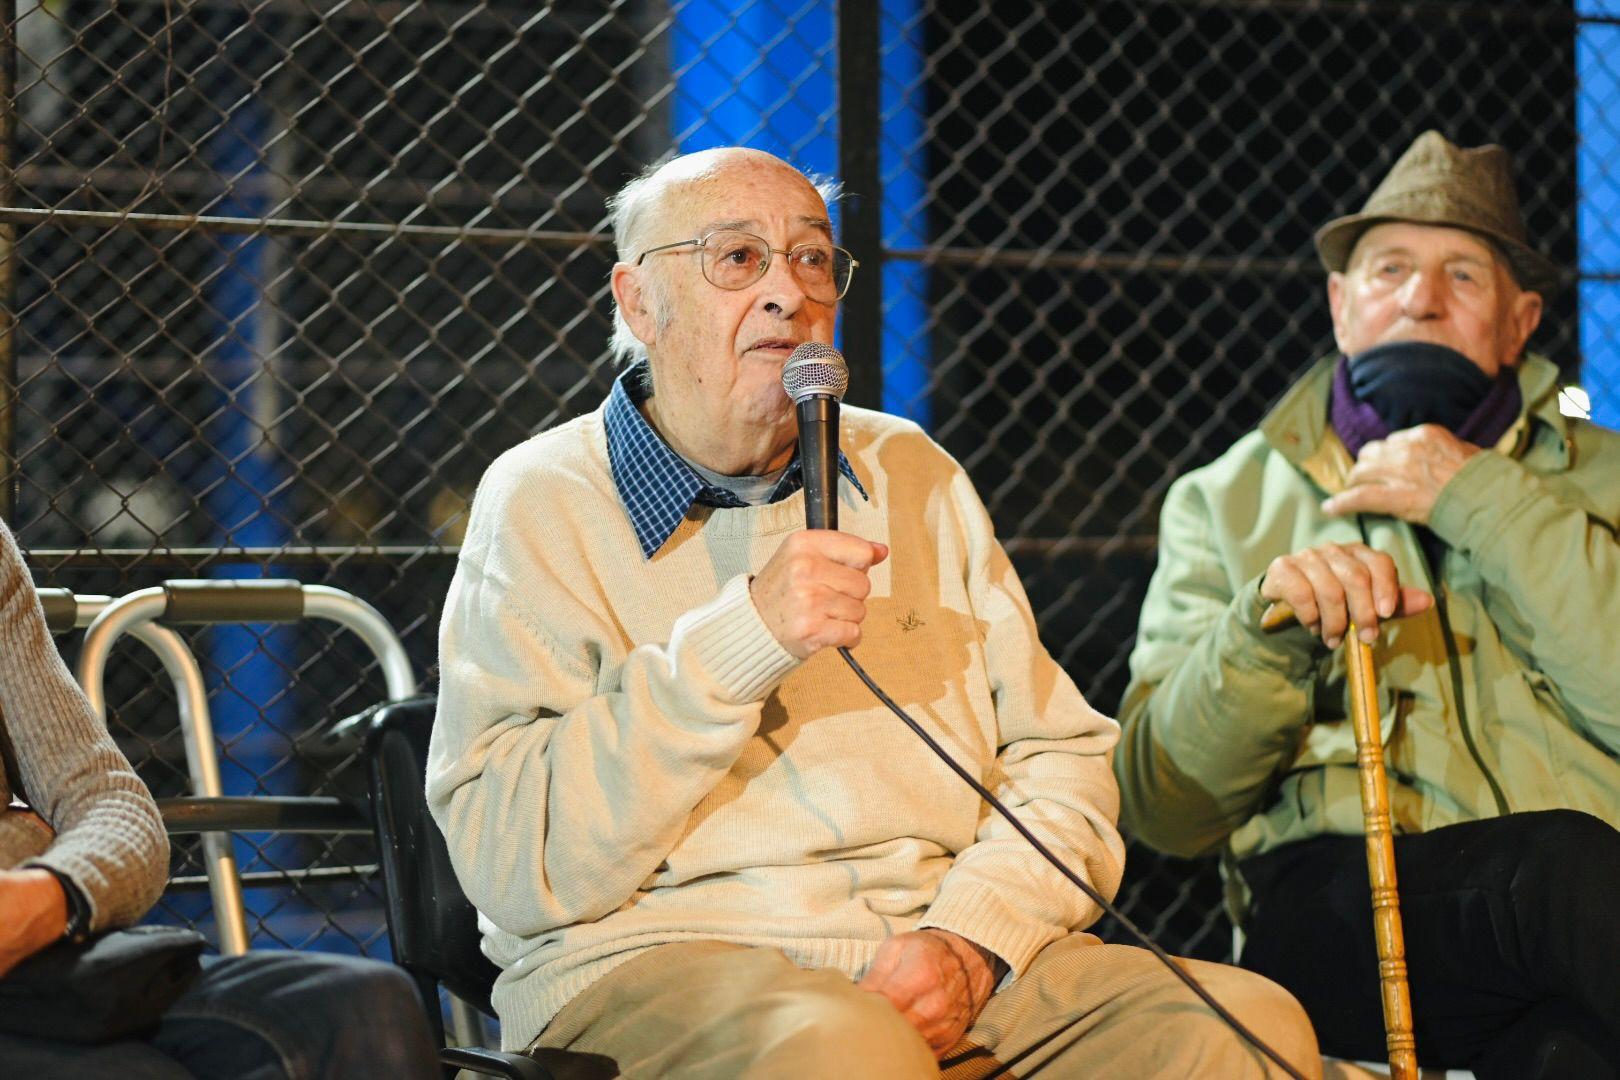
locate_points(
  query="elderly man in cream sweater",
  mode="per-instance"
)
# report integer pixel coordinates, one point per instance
(698, 846)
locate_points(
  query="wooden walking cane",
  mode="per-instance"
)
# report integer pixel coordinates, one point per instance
(1386, 902)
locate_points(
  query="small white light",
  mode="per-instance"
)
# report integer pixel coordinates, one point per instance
(1575, 401)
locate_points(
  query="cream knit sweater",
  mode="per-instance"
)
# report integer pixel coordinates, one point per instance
(624, 756)
(59, 758)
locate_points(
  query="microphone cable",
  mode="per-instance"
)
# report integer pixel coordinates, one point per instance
(1152, 946)
(815, 378)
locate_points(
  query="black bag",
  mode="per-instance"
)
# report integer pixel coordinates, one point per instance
(110, 986)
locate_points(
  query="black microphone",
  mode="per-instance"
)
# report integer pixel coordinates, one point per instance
(815, 377)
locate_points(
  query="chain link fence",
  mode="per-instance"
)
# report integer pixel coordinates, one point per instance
(287, 275)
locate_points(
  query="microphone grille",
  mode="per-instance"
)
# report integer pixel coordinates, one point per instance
(814, 369)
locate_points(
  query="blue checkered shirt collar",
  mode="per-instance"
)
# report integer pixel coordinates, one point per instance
(655, 483)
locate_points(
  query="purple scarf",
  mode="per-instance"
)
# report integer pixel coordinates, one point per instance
(1358, 423)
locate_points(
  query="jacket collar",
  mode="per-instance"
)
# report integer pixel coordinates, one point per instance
(1297, 426)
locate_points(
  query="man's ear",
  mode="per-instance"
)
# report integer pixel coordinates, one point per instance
(1525, 313)
(1337, 284)
(631, 299)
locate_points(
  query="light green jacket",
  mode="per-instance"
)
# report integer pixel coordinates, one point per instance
(1505, 697)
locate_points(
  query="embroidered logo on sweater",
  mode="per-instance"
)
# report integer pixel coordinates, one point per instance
(910, 622)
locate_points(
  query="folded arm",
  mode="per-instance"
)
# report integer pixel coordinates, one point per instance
(561, 788)
(109, 840)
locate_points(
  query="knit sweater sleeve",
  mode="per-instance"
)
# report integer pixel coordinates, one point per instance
(109, 838)
(1052, 770)
(559, 787)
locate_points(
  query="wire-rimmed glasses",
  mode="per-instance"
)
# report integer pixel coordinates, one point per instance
(734, 259)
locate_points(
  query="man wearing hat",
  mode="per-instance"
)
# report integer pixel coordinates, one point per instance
(1421, 487)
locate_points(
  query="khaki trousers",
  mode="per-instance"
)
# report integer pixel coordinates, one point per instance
(713, 1011)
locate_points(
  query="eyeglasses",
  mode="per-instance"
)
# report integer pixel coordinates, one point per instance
(733, 259)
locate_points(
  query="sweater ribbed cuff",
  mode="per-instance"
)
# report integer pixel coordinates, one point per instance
(984, 916)
(84, 876)
(733, 645)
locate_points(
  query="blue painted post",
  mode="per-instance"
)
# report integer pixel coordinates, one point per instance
(245, 478)
(907, 344)
(745, 76)
(1597, 125)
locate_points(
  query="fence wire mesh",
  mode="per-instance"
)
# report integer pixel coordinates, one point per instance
(290, 274)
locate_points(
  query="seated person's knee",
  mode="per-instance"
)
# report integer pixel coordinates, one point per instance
(1561, 857)
(857, 1033)
(1559, 840)
(1267, 1010)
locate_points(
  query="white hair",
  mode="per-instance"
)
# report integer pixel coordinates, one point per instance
(632, 210)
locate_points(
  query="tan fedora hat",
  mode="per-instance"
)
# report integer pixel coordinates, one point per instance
(1438, 183)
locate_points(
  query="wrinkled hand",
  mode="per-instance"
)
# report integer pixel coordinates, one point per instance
(33, 914)
(1332, 585)
(938, 980)
(1402, 475)
(812, 592)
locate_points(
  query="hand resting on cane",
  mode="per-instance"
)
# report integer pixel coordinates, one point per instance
(1330, 586)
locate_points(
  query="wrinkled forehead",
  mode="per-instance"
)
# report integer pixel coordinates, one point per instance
(1426, 241)
(747, 193)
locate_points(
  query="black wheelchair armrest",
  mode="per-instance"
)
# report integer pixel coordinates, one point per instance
(493, 1063)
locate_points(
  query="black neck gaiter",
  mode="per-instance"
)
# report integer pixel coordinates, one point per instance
(1414, 382)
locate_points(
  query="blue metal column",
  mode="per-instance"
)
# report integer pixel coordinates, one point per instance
(747, 75)
(907, 342)
(752, 77)
(1597, 126)
(245, 479)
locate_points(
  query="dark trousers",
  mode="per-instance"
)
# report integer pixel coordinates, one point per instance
(269, 1015)
(1512, 930)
